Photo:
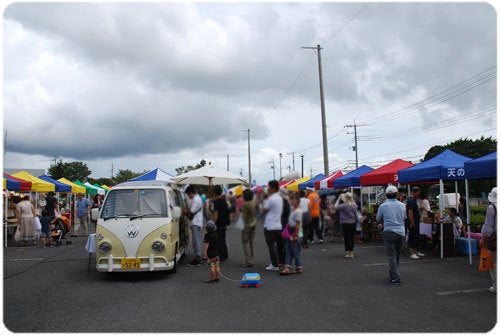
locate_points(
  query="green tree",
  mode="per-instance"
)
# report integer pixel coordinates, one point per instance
(124, 175)
(70, 170)
(184, 169)
(102, 181)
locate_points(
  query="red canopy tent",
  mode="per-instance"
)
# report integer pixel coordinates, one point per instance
(386, 174)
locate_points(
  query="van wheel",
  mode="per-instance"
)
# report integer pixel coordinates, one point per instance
(174, 269)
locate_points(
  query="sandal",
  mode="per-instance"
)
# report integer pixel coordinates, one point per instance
(299, 271)
(285, 271)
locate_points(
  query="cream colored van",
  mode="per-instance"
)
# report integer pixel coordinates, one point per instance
(140, 228)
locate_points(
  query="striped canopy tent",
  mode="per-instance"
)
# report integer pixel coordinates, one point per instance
(15, 184)
(88, 190)
(98, 189)
(283, 183)
(106, 187)
(156, 174)
(37, 184)
(101, 187)
(295, 185)
(74, 187)
(310, 182)
(60, 187)
(327, 182)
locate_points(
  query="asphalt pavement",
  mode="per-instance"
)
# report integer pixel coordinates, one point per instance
(51, 290)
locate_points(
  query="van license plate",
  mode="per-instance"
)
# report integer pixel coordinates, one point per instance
(131, 263)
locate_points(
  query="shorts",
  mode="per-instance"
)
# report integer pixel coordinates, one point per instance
(214, 261)
(45, 233)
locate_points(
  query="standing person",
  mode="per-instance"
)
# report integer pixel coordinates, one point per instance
(292, 245)
(413, 215)
(402, 194)
(306, 218)
(46, 220)
(272, 208)
(346, 207)
(195, 215)
(211, 252)
(489, 239)
(51, 204)
(83, 207)
(425, 208)
(392, 215)
(220, 215)
(25, 212)
(314, 211)
(248, 234)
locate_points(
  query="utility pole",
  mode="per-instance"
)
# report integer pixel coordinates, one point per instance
(323, 116)
(227, 158)
(249, 160)
(302, 164)
(281, 156)
(274, 168)
(355, 147)
(293, 158)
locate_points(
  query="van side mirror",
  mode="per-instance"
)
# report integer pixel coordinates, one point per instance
(176, 212)
(95, 214)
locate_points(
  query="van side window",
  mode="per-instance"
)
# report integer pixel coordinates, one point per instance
(174, 195)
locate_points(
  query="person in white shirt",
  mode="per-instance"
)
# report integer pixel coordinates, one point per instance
(195, 211)
(272, 208)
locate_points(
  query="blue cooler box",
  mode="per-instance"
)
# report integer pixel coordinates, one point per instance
(462, 245)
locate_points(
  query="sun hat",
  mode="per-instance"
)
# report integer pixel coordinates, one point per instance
(310, 189)
(391, 190)
(492, 197)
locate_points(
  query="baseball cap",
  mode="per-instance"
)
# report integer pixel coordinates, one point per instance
(391, 190)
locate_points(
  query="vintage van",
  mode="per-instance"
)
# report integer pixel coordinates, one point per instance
(140, 227)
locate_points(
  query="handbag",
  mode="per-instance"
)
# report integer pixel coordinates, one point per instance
(485, 260)
(239, 223)
(287, 232)
(17, 234)
(359, 216)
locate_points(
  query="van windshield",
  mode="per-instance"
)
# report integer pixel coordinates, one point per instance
(135, 203)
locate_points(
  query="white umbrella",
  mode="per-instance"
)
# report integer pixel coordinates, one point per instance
(208, 175)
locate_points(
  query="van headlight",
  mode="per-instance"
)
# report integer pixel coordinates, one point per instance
(158, 246)
(105, 247)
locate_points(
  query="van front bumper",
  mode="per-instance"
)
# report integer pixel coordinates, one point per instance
(140, 264)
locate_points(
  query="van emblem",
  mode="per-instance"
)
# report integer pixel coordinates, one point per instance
(132, 231)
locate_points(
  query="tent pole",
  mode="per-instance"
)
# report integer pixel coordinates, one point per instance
(6, 214)
(441, 214)
(468, 218)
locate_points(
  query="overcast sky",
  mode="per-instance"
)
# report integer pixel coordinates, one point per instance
(140, 86)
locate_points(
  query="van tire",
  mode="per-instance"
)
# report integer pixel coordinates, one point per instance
(174, 269)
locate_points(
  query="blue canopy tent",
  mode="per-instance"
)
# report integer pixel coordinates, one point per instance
(60, 187)
(310, 182)
(479, 168)
(156, 174)
(448, 165)
(351, 179)
(482, 167)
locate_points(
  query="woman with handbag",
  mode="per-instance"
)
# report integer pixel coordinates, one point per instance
(26, 213)
(346, 207)
(489, 239)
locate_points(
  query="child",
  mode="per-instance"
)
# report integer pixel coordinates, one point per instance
(292, 245)
(455, 219)
(211, 252)
(46, 221)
